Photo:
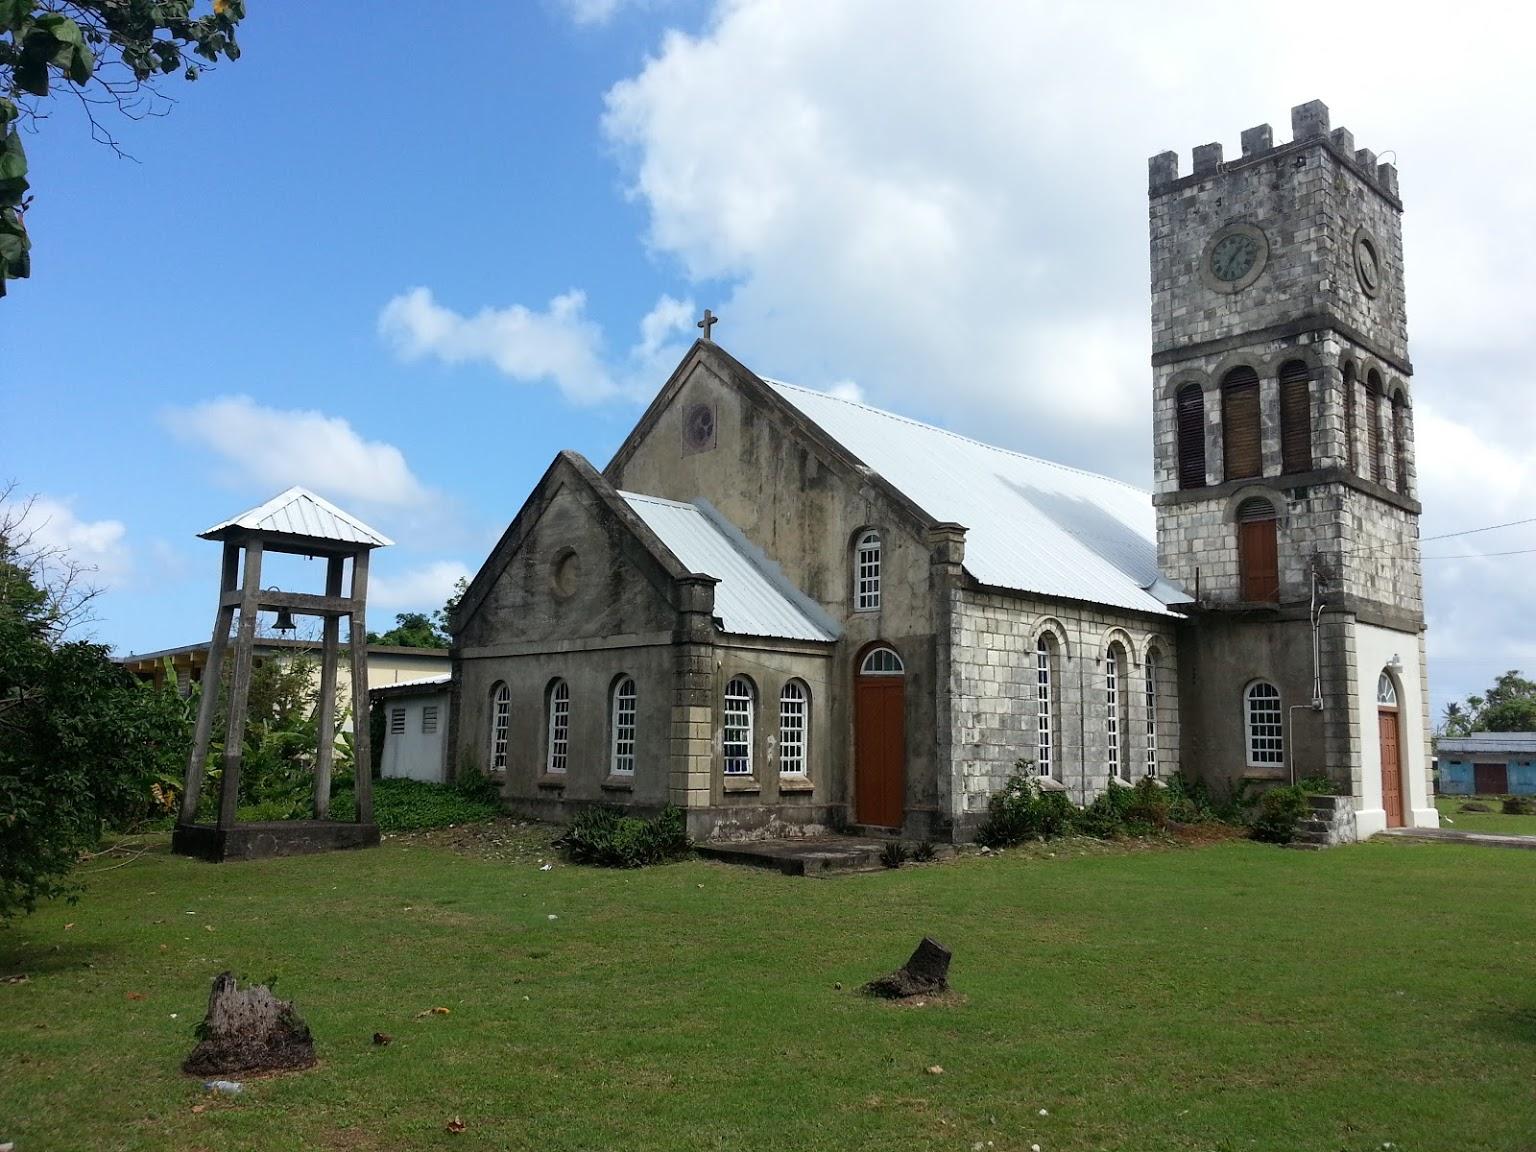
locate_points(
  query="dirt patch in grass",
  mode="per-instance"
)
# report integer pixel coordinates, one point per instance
(506, 839)
(1206, 833)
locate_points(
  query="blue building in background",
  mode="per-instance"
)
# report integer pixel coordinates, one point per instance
(1487, 764)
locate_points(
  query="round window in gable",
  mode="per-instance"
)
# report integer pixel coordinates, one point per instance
(565, 573)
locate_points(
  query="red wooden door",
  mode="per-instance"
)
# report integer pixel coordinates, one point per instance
(1259, 560)
(1490, 779)
(880, 750)
(1391, 769)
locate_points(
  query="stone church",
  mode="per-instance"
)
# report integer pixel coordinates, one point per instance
(782, 611)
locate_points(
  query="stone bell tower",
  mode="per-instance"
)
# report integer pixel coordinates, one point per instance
(1284, 476)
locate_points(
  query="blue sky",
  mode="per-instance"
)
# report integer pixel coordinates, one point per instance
(407, 266)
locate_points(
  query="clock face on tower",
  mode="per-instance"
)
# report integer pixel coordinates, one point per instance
(1367, 262)
(1234, 257)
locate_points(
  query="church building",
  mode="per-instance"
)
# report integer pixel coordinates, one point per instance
(784, 611)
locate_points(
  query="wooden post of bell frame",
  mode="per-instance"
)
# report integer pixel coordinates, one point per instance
(326, 720)
(207, 708)
(240, 685)
(357, 629)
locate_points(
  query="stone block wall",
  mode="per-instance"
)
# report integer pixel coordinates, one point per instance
(995, 702)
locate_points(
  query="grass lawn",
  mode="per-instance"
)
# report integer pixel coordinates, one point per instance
(1495, 822)
(1231, 996)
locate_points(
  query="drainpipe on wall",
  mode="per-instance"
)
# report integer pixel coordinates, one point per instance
(1315, 614)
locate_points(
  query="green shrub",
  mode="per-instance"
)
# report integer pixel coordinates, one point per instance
(1280, 811)
(1189, 801)
(1148, 808)
(1102, 819)
(1023, 811)
(924, 852)
(411, 805)
(472, 784)
(607, 838)
(1322, 786)
(894, 854)
(1519, 806)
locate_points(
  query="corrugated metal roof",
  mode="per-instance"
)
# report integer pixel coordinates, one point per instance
(1487, 742)
(1031, 525)
(422, 684)
(753, 597)
(299, 512)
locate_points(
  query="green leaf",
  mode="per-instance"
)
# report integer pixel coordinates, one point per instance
(13, 161)
(31, 75)
(12, 248)
(81, 64)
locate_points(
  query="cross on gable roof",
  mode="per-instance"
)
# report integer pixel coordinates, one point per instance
(299, 512)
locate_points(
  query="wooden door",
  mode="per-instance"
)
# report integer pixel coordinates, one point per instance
(1490, 779)
(880, 749)
(1391, 769)
(1259, 560)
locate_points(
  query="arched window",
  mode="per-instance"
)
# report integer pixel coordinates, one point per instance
(621, 723)
(1400, 442)
(1386, 691)
(1189, 405)
(794, 728)
(1351, 386)
(1149, 669)
(737, 737)
(1295, 417)
(1266, 725)
(1115, 702)
(1258, 552)
(558, 746)
(1045, 705)
(881, 662)
(866, 572)
(1242, 442)
(1373, 426)
(501, 712)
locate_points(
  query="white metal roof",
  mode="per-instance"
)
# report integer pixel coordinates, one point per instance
(753, 598)
(1031, 525)
(1487, 742)
(299, 512)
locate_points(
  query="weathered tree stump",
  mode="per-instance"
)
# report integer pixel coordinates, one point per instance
(249, 1030)
(926, 973)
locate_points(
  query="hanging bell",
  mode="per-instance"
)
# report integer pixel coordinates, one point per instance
(285, 621)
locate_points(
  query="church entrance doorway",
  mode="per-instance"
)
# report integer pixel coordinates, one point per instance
(1391, 751)
(879, 738)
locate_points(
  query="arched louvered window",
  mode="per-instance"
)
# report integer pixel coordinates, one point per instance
(1400, 442)
(501, 711)
(740, 702)
(558, 744)
(1045, 705)
(794, 728)
(1373, 446)
(866, 572)
(1351, 386)
(1295, 417)
(621, 725)
(1189, 404)
(1241, 438)
(1258, 552)
(1265, 722)
(1115, 710)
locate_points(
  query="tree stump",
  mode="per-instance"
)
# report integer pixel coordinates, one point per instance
(249, 1030)
(926, 973)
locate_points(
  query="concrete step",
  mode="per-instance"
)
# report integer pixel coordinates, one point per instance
(814, 856)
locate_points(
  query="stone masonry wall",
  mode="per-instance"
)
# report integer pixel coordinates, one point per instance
(993, 678)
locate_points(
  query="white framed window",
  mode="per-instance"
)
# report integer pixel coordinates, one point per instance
(1150, 669)
(866, 572)
(622, 722)
(737, 737)
(501, 712)
(1266, 725)
(882, 662)
(428, 719)
(397, 721)
(1045, 723)
(1386, 691)
(557, 754)
(794, 726)
(1114, 718)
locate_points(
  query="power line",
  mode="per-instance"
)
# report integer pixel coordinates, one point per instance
(1481, 555)
(1474, 531)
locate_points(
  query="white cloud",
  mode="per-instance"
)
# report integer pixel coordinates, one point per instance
(422, 589)
(559, 345)
(99, 546)
(588, 12)
(275, 448)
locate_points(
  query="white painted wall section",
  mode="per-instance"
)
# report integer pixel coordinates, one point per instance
(1374, 649)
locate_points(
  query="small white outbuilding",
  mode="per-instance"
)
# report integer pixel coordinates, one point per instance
(415, 728)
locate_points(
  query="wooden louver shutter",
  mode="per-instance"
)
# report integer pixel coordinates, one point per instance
(1191, 418)
(1258, 552)
(1243, 452)
(1373, 425)
(1295, 417)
